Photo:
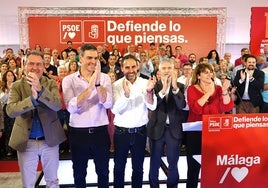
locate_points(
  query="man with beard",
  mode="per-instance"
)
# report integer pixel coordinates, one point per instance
(249, 83)
(133, 96)
(192, 60)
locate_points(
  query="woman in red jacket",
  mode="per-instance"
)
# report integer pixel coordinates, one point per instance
(204, 97)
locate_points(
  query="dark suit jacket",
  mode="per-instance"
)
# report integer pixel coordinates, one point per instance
(117, 71)
(20, 106)
(171, 107)
(254, 89)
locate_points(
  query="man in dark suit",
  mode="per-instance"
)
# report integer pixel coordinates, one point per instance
(34, 101)
(113, 67)
(249, 83)
(164, 127)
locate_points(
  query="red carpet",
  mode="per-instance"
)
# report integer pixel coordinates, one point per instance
(12, 166)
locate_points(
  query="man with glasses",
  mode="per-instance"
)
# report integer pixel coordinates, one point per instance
(34, 101)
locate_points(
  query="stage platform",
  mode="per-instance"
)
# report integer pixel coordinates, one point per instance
(65, 173)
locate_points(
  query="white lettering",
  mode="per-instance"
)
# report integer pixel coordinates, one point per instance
(70, 27)
(247, 119)
(111, 25)
(119, 39)
(239, 125)
(135, 27)
(237, 160)
(174, 27)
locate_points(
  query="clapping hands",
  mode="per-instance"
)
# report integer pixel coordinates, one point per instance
(151, 83)
(35, 84)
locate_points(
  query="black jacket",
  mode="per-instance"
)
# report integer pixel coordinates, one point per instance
(254, 89)
(171, 107)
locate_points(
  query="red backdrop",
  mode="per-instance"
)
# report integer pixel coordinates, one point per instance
(259, 29)
(234, 151)
(194, 34)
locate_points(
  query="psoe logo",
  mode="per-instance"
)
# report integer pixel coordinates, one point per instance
(71, 30)
(226, 123)
(94, 31)
(214, 124)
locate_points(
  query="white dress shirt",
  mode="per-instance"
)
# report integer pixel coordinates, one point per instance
(131, 112)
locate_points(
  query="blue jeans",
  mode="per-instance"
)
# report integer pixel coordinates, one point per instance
(85, 142)
(172, 151)
(123, 142)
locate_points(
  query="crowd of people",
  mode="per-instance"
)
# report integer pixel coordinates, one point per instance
(118, 102)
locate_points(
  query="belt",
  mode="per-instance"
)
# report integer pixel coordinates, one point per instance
(131, 130)
(90, 130)
(38, 138)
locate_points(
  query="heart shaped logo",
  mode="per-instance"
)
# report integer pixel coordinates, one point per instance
(71, 34)
(239, 173)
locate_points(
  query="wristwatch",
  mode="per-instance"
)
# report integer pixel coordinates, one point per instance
(97, 85)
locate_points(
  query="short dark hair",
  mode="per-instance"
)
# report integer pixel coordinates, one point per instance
(35, 52)
(202, 59)
(86, 47)
(129, 56)
(245, 56)
(191, 54)
(244, 49)
(187, 64)
(22, 51)
(250, 56)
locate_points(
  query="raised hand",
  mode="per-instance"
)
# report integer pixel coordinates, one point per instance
(33, 80)
(242, 75)
(97, 73)
(225, 85)
(211, 89)
(166, 83)
(151, 83)
(126, 87)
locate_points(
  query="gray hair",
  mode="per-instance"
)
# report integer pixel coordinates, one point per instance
(168, 60)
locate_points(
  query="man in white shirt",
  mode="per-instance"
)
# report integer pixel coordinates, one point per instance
(185, 79)
(133, 95)
(147, 67)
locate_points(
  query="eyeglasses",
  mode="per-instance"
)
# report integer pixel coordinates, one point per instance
(38, 64)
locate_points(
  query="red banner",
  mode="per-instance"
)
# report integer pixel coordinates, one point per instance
(259, 29)
(194, 34)
(235, 151)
